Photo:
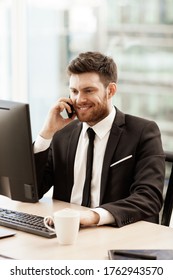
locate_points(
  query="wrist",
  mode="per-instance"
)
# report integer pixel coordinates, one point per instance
(46, 134)
(95, 217)
(89, 218)
(41, 144)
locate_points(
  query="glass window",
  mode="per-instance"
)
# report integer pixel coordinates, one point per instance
(5, 49)
(39, 37)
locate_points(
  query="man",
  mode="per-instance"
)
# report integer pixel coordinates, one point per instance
(128, 165)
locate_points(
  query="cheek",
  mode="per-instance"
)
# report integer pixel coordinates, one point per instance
(74, 99)
(102, 101)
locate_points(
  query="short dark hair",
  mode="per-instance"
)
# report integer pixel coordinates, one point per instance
(96, 62)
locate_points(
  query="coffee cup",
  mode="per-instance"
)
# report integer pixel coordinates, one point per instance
(66, 225)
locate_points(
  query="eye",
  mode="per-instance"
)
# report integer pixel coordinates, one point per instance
(73, 90)
(89, 90)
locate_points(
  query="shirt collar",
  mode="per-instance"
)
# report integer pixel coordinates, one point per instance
(103, 127)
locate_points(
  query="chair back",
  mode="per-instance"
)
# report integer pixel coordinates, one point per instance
(168, 200)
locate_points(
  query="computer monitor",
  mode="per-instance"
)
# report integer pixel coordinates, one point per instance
(17, 169)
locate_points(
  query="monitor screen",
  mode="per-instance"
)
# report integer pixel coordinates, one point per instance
(17, 169)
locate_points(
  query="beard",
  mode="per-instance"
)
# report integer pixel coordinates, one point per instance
(94, 114)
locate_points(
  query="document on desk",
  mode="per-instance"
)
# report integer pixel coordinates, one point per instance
(140, 254)
(3, 257)
(6, 233)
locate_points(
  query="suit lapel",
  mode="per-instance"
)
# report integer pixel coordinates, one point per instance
(113, 141)
(72, 146)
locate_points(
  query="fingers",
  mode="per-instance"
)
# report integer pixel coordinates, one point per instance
(50, 222)
(62, 104)
(54, 120)
(67, 104)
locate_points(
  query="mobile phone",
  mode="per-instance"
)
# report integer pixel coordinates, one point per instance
(70, 115)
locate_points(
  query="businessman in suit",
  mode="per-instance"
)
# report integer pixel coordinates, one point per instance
(128, 163)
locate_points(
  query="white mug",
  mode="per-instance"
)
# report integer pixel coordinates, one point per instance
(66, 225)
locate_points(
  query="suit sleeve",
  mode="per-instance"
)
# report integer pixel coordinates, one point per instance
(44, 171)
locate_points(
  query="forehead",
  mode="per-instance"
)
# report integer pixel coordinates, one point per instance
(84, 80)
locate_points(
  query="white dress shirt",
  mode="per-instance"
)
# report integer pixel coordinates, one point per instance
(102, 131)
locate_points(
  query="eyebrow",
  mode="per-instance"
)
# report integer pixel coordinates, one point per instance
(85, 88)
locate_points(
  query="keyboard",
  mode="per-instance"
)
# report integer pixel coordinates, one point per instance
(25, 222)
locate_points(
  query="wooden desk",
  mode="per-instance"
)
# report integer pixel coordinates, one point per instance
(92, 244)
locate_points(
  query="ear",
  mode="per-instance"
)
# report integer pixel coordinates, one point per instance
(111, 89)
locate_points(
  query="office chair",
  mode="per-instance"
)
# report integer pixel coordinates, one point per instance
(168, 201)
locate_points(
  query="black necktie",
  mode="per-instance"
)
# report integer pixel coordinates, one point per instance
(87, 185)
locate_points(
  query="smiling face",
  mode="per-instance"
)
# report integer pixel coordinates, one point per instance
(91, 100)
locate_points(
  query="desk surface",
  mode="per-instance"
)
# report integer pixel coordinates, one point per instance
(92, 243)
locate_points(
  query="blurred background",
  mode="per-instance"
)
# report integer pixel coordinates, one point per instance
(39, 37)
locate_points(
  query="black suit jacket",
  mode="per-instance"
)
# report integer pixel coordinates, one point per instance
(131, 190)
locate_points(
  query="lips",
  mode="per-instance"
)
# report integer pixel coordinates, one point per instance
(83, 108)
